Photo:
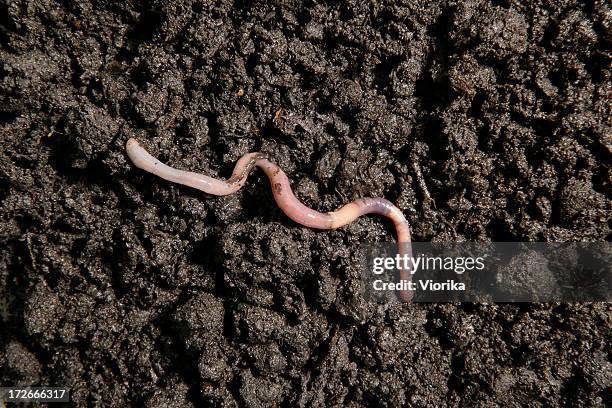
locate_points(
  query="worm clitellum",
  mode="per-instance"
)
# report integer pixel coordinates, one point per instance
(283, 195)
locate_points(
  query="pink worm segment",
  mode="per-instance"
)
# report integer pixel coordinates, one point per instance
(283, 195)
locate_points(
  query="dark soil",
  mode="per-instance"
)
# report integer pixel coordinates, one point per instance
(481, 121)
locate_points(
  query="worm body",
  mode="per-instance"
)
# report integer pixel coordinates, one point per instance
(283, 195)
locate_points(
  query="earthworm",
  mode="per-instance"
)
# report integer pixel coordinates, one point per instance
(283, 195)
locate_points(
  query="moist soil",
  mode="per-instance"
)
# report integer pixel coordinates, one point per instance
(480, 120)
